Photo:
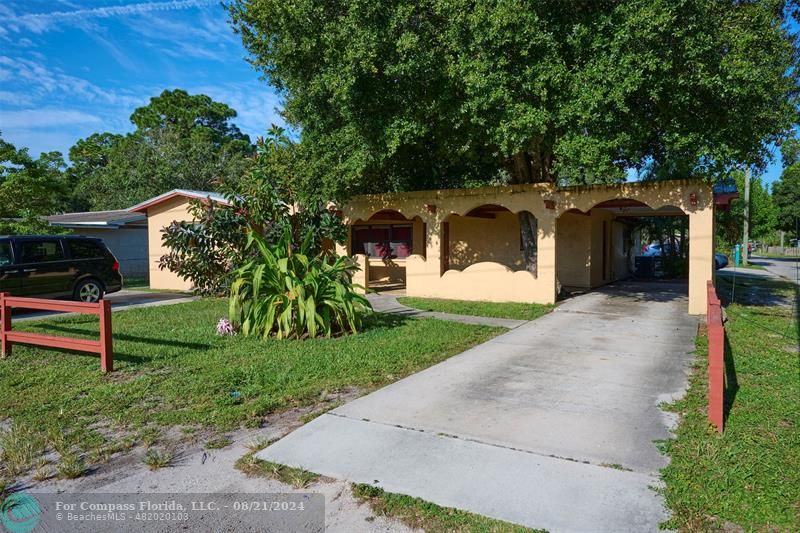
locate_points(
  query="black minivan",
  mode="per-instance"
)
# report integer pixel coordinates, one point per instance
(58, 266)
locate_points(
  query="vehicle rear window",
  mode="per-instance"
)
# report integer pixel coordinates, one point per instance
(85, 249)
(40, 251)
(6, 257)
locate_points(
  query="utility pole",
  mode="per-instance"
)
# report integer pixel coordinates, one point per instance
(746, 237)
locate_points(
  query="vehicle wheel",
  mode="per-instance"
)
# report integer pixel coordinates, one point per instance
(89, 290)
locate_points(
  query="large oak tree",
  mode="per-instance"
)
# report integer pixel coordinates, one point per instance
(410, 94)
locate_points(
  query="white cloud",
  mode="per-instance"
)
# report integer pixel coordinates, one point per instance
(44, 118)
(39, 80)
(42, 22)
(16, 99)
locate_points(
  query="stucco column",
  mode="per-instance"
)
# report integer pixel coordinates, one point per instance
(701, 257)
(546, 256)
(422, 274)
(361, 276)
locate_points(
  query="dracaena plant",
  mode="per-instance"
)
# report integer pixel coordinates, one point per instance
(285, 292)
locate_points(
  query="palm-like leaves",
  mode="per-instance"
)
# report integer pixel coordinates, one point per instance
(291, 295)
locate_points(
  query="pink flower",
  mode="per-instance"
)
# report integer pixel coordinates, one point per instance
(224, 327)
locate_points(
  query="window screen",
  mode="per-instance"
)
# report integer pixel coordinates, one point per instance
(6, 256)
(85, 250)
(40, 251)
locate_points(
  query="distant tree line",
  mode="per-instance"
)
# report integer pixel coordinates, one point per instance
(179, 141)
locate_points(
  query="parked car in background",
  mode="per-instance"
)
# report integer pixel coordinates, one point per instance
(656, 250)
(57, 266)
(720, 261)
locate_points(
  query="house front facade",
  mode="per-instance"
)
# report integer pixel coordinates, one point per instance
(465, 243)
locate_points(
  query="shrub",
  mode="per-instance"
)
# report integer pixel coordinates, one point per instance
(207, 250)
(290, 294)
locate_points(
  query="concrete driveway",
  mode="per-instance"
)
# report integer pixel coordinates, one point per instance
(550, 425)
(124, 299)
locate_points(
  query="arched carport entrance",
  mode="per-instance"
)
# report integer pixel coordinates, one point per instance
(620, 239)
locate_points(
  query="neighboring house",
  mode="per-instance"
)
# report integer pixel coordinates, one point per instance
(162, 211)
(465, 244)
(124, 233)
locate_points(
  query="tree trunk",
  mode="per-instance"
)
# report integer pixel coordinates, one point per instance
(528, 227)
(530, 167)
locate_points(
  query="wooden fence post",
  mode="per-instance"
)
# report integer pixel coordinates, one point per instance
(716, 359)
(5, 326)
(106, 338)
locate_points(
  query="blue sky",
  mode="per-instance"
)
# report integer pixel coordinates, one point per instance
(70, 68)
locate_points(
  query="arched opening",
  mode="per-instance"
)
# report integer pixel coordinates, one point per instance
(387, 238)
(621, 239)
(486, 233)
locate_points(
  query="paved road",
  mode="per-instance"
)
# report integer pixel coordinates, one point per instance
(788, 267)
(550, 425)
(125, 299)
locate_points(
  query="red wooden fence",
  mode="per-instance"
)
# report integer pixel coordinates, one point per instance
(716, 359)
(102, 309)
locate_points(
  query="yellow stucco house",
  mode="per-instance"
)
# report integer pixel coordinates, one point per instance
(161, 211)
(465, 243)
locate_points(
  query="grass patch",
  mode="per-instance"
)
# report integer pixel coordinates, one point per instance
(425, 516)
(71, 466)
(157, 458)
(171, 369)
(217, 443)
(750, 475)
(513, 310)
(296, 477)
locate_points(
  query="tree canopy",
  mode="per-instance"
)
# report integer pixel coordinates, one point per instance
(786, 191)
(29, 188)
(180, 141)
(408, 94)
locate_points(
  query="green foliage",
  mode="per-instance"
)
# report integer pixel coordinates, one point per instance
(786, 191)
(29, 189)
(207, 250)
(763, 214)
(181, 141)
(288, 293)
(406, 94)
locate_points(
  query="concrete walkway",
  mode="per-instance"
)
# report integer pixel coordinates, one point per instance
(387, 303)
(550, 425)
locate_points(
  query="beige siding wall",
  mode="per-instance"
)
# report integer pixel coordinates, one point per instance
(475, 240)
(573, 252)
(158, 217)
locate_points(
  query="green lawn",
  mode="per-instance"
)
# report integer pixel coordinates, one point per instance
(750, 475)
(497, 310)
(173, 370)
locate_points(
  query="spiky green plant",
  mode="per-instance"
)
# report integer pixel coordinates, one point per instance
(285, 292)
